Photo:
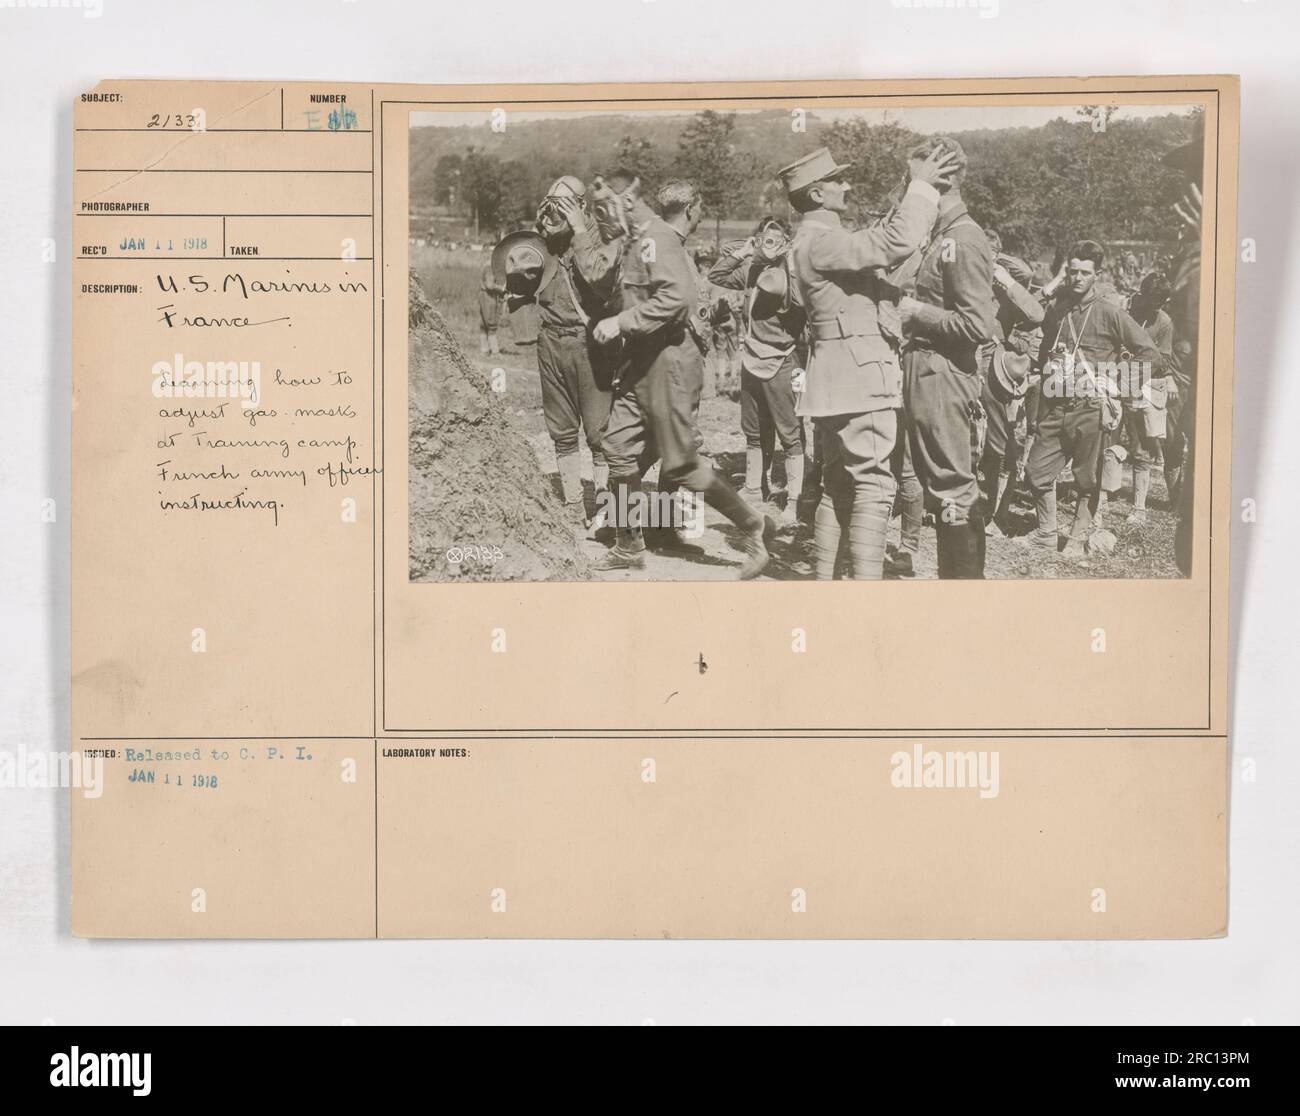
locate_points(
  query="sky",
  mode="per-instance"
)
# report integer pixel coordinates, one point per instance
(925, 119)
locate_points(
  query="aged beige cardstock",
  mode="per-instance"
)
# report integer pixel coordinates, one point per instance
(300, 741)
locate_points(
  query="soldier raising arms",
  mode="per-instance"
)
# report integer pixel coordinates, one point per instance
(949, 324)
(854, 385)
(773, 348)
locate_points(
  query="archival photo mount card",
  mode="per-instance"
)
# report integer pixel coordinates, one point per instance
(474, 489)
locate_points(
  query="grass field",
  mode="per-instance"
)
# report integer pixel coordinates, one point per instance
(451, 279)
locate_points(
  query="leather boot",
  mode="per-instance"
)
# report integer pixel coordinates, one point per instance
(948, 543)
(756, 553)
(672, 536)
(810, 495)
(1173, 483)
(961, 548)
(898, 562)
(759, 529)
(628, 552)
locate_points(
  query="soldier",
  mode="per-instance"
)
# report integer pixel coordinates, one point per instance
(949, 324)
(1083, 335)
(1016, 323)
(1184, 313)
(575, 374)
(772, 349)
(853, 389)
(662, 372)
(1144, 417)
(491, 293)
(716, 315)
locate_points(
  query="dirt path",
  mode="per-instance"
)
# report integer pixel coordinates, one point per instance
(1140, 552)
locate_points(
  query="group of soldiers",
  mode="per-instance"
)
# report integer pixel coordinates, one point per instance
(895, 363)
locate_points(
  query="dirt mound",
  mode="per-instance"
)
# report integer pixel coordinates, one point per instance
(481, 509)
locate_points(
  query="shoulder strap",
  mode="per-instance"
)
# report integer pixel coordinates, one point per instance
(573, 294)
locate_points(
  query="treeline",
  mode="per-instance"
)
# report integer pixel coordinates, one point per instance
(1085, 175)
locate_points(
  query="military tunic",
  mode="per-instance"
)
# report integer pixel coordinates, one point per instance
(947, 332)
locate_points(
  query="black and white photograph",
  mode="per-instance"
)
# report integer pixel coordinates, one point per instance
(804, 343)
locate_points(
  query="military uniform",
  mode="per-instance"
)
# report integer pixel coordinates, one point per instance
(653, 414)
(853, 386)
(491, 293)
(1085, 335)
(1184, 313)
(1019, 314)
(1145, 415)
(772, 349)
(949, 326)
(575, 373)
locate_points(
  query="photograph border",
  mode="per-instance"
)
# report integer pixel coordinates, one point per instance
(653, 94)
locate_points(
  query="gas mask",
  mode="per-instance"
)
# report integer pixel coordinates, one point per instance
(772, 244)
(550, 217)
(609, 211)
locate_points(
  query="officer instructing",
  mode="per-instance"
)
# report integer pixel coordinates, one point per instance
(853, 385)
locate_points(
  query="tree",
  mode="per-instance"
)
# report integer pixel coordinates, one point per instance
(877, 158)
(446, 180)
(1083, 174)
(642, 158)
(720, 171)
(481, 186)
(520, 194)
(1045, 187)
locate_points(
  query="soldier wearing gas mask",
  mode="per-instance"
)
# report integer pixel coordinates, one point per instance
(575, 371)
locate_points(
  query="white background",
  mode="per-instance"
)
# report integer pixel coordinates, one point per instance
(48, 57)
